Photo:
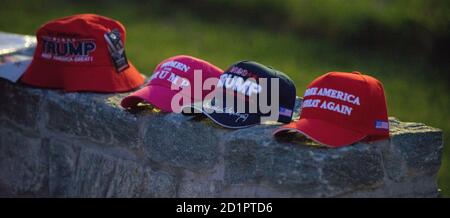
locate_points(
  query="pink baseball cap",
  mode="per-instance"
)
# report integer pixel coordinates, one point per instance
(176, 72)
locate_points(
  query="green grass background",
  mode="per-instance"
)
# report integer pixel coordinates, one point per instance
(417, 90)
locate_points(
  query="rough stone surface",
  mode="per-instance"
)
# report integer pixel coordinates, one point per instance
(23, 165)
(20, 105)
(173, 140)
(87, 116)
(56, 144)
(71, 165)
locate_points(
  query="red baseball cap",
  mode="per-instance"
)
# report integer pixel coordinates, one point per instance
(178, 71)
(340, 109)
(84, 52)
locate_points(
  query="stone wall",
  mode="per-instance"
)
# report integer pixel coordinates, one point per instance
(84, 145)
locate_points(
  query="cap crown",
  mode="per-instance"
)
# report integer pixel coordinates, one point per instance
(77, 40)
(180, 72)
(350, 100)
(244, 80)
(72, 53)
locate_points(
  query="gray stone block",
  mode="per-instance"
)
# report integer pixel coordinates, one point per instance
(19, 104)
(85, 145)
(299, 169)
(23, 165)
(84, 172)
(352, 168)
(89, 116)
(418, 146)
(173, 140)
(63, 162)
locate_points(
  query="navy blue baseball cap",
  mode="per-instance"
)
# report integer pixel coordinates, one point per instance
(246, 94)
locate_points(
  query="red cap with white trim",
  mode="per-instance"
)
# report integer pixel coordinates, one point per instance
(340, 109)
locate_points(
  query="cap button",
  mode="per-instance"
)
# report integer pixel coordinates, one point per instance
(356, 72)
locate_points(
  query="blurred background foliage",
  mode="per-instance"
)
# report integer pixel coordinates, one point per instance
(403, 43)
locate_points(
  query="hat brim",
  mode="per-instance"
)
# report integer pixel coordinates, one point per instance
(74, 78)
(227, 120)
(323, 132)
